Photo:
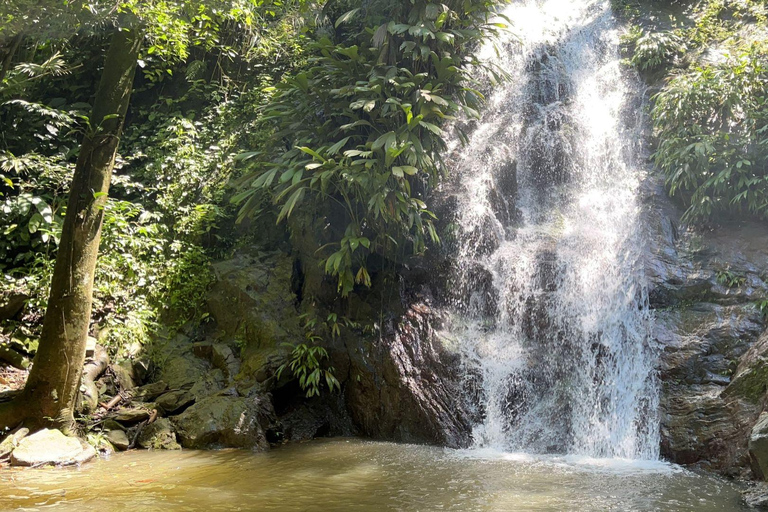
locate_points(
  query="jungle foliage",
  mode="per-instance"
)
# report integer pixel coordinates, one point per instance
(358, 133)
(340, 110)
(710, 115)
(203, 66)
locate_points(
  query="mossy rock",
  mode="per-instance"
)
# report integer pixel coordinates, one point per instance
(225, 421)
(159, 436)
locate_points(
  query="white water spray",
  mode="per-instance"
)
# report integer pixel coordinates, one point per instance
(552, 312)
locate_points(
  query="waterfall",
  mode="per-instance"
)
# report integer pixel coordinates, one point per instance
(549, 303)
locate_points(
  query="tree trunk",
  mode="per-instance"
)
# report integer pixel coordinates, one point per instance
(8, 59)
(49, 395)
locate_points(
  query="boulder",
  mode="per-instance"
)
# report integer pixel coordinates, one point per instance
(183, 370)
(50, 446)
(131, 414)
(159, 436)
(756, 496)
(11, 442)
(149, 392)
(225, 421)
(212, 382)
(174, 401)
(118, 439)
(758, 447)
(124, 376)
(12, 304)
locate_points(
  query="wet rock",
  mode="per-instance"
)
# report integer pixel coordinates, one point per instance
(699, 427)
(751, 377)
(712, 364)
(158, 436)
(51, 447)
(11, 442)
(757, 496)
(225, 421)
(118, 439)
(175, 401)
(412, 392)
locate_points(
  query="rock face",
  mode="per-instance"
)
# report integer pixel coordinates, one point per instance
(398, 384)
(406, 387)
(705, 288)
(51, 447)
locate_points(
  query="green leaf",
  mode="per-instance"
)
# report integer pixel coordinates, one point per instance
(333, 150)
(346, 17)
(311, 152)
(289, 205)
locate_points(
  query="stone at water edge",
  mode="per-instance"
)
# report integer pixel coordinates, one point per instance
(118, 439)
(758, 446)
(224, 421)
(11, 442)
(159, 436)
(756, 496)
(50, 446)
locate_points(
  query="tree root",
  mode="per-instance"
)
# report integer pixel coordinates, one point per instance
(93, 368)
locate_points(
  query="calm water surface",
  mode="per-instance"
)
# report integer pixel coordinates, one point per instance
(350, 475)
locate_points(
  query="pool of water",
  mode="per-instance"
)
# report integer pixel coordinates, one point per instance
(352, 474)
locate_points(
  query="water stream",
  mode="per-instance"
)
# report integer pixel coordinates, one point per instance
(552, 313)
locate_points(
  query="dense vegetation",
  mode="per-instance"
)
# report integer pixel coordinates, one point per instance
(710, 114)
(192, 111)
(360, 130)
(251, 111)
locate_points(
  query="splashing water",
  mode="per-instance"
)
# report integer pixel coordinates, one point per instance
(551, 309)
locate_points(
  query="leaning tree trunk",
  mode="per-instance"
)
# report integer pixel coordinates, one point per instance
(49, 395)
(8, 58)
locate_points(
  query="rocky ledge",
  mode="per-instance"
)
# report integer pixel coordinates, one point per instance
(708, 290)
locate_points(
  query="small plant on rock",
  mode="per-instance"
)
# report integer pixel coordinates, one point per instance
(729, 278)
(305, 365)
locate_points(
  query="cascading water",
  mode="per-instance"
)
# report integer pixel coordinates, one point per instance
(551, 311)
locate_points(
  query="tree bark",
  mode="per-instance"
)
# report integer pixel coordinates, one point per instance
(51, 389)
